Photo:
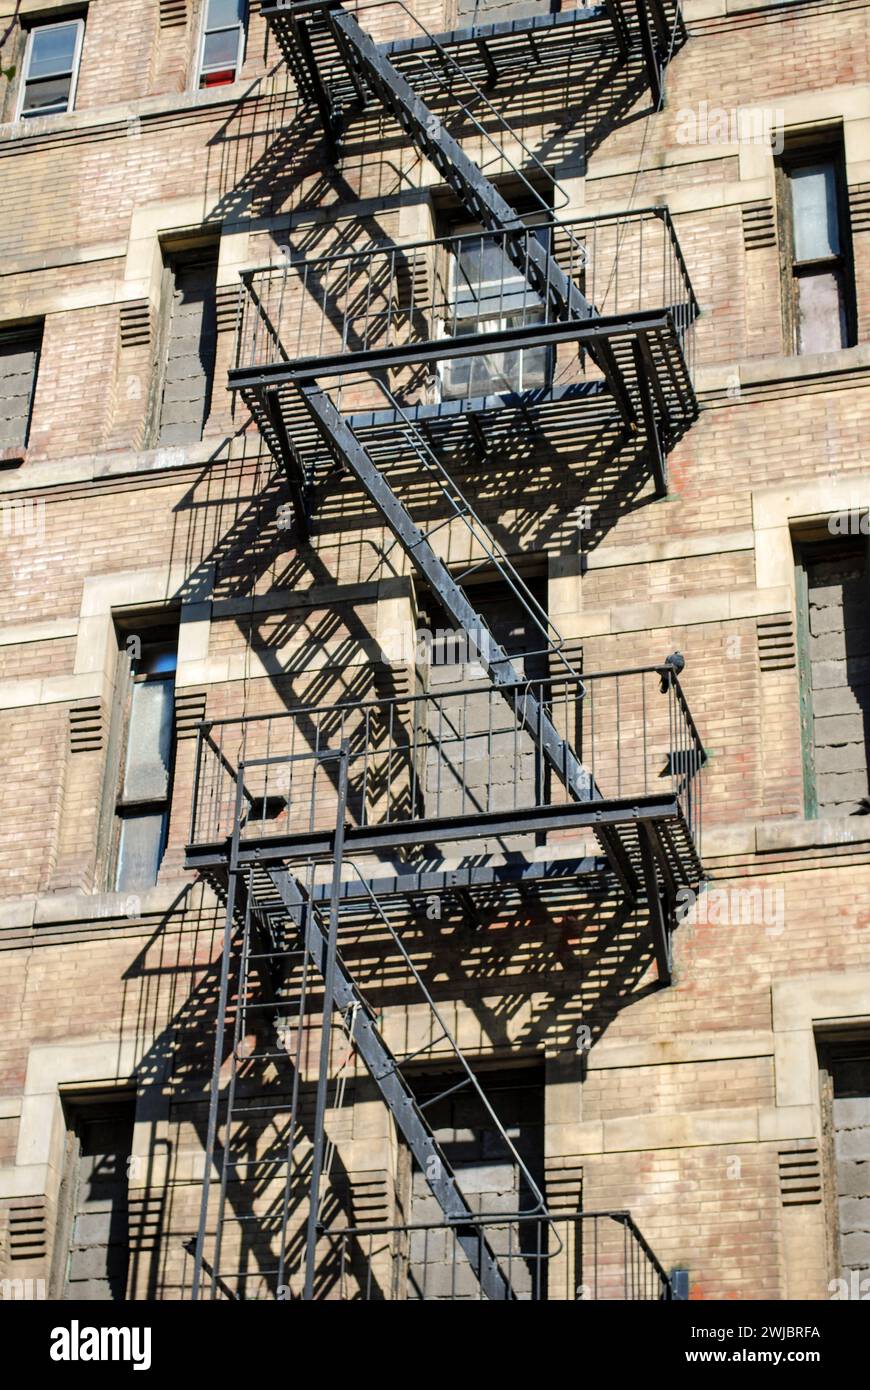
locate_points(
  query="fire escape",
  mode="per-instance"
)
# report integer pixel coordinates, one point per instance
(388, 367)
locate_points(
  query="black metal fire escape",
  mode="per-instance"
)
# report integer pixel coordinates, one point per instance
(648, 840)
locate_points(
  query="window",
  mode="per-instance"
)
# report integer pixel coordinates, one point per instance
(145, 772)
(19, 360)
(495, 11)
(93, 1203)
(51, 64)
(191, 340)
(818, 283)
(834, 647)
(846, 1096)
(223, 40)
(482, 761)
(488, 294)
(487, 1173)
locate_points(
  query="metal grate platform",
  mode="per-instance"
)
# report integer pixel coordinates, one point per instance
(486, 55)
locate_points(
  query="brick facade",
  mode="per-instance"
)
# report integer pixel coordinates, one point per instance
(691, 1098)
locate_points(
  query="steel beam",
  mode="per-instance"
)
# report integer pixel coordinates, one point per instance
(650, 59)
(468, 878)
(477, 194)
(657, 458)
(333, 983)
(659, 927)
(363, 838)
(620, 862)
(590, 332)
(272, 406)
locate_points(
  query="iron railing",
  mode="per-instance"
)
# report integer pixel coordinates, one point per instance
(573, 1257)
(448, 754)
(474, 286)
(483, 52)
(579, 1257)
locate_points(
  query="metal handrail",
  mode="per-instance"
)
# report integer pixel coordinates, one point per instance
(205, 725)
(551, 1221)
(620, 739)
(558, 224)
(392, 295)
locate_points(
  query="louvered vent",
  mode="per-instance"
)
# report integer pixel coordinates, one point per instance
(759, 225)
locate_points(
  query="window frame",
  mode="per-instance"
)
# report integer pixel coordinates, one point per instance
(809, 544)
(26, 335)
(494, 322)
(79, 1107)
(79, 22)
(189, 254)
(204, 31)
(841, 1045)
(123, 809)
(820, 149)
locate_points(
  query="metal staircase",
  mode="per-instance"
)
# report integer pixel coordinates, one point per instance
(488, 54)
(374, 76)
(284, 942)
(640, 370)
(277, 930)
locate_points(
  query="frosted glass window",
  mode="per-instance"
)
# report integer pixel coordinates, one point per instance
(814, 206)
(149, 742)
(822, 323)
(140, 850)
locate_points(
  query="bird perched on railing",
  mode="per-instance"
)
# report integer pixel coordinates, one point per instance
(675, 662)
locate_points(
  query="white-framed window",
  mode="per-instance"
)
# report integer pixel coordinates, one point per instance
(51, 68)
(489, 294)
(222, 45)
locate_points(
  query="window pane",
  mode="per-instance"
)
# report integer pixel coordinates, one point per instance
(485, 276)
(495, 374)
(454, 378)
(535, 368)
(50, 94)
(158, 660)
(52, 50)
(221, 49)
(139, 851)
(223, 13)
(149, 741)
(814, 203)
(822, 323)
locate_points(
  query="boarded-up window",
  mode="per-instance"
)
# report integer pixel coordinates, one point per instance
(846, 1079)
(190, 349)
(101, 1140)
(19, 359)
(818, 282)
(494, 11)
(479, 758)
(835, 622)
(491, 1180)
(146, 707)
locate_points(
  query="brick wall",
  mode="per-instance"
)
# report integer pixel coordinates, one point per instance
(674, 1113)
